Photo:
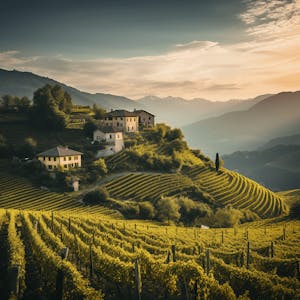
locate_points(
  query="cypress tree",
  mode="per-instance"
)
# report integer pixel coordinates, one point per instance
(217, 162)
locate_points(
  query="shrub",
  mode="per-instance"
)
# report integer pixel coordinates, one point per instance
(167, 209)
(295, 210)
(97, 196)
(147, 210)
(100, 166)
(227, 216)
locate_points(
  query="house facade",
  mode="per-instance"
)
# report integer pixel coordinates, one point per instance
(60, 158)
(112, 139)
(146, 119)
(122, 120)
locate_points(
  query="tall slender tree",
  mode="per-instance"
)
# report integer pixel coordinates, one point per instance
(217, 162)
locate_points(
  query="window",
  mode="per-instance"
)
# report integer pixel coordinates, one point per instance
(149, 118)
(65, 158)
(54, 158)
(72, 165)
(44, 158)
(70, 158)
(132, 127)
(49, 158)
(121, 118)
(66, 166)
(111, 149)
(118, 124)
(49, 167)
(76, 157)
(110, 136)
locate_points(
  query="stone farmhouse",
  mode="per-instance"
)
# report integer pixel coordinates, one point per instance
(112, 139)
(127, 121)
(122, 120)
(60, 157)
(146, 119)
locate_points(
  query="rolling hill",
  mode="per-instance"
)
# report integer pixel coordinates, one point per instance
(277, 115)
(25, 83)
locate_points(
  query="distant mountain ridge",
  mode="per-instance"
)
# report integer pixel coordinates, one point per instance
(277, 115)
(175, 111)
(277, 167)
(178, 111)
(25, 83)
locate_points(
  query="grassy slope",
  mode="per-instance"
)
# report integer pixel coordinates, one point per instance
(226, 187)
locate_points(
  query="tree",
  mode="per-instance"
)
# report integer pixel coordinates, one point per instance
(29, 147)
(24, 104)
(99, 112)
(100, 166)
(51, 104)
(167, 209)
(89, 128)
(97, 196)
(147, 210)
(217, 162)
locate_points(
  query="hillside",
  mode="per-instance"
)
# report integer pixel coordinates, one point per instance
(284, 140)
(275, 116)
(109, 259)
(25, 83)
(276, 167)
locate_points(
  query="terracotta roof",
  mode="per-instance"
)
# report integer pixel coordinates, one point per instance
(59, 151)
(121, 113)
(108, 129)
(141, 110)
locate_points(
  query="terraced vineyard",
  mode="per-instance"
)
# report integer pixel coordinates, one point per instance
(228, 187)
(118, 259)
(147, 186)
(18, 193)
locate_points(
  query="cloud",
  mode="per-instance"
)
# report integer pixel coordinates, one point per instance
(269, 61)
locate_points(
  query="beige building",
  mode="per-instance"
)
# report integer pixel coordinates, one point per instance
(146, 120)
(122, 120)
(60, 158)
(111, 138)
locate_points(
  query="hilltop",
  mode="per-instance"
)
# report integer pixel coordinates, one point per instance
(21, 84)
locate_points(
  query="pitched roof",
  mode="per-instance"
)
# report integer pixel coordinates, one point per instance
(121, 113)
(59, 151)
(108, 129)
(141, 110)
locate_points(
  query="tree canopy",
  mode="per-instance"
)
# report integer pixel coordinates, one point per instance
(51, 106)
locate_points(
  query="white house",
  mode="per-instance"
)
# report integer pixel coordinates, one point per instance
(60, 157)
(111, 138)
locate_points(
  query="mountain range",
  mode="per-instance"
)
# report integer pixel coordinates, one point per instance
(172, 110)
(277, 115)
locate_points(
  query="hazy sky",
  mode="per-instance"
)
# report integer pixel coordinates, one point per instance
(218, 49)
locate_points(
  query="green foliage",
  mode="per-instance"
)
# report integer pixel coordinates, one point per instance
(51, 106)
(147, 210)
(13, 103)
(99, 112)
(100, 166)
(89, 127)
(228, 216)
(191, 210)
(295, 209)
(97, 196)
(167, 209)
(29, 148)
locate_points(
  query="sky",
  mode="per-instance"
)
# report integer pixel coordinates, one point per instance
(214, 49)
